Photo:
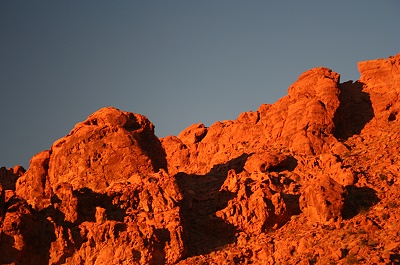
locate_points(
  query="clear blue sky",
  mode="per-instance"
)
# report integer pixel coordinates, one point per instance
(177, 62)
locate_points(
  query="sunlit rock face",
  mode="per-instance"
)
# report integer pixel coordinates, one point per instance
(310, 179)
(99, 187)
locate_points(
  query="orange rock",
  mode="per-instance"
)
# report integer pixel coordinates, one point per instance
(381, 80)
(101, 178)
(193, 134)
(322, 200)
(301, 122)
(102, 146)
(32, 185)
(310, 179)
(257, 205)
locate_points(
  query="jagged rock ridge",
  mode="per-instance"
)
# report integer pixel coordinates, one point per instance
(310, 179)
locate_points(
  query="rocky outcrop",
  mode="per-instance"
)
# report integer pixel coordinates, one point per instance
(98, 188)
(101, 148)
(381, 76)
(310, 179)
(263, 193)
(301, 122)
(256, 207)
(135, 221)
(372, 101)
(111, 145)
(381, 80)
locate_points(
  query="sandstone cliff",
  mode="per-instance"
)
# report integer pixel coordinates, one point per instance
(310, 179)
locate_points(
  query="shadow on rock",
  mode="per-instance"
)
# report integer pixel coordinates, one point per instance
(202, 199)
(8, 178)
(7, 252)
(290, 163)
(36, 232)
(354, 112)
(395, 258)
(88, 200)
(358, 200)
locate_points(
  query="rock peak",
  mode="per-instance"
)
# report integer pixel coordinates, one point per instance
(314, 82)
(113, 117)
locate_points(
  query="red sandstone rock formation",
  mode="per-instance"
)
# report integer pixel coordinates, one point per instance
(102, 196)
(310, 179)
(301, 122)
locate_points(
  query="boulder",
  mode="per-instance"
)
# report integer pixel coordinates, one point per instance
(322, 200)
(193, 134)
(101, 147)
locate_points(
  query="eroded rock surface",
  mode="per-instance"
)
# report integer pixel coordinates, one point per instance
(103, 194)
(102, 147)
(301, 122)
(322, 200)
(310, 179)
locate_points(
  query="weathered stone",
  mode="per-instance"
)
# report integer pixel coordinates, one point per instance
(322, 200)
(310, 179)
(32, 185)
(102, 146)
(193, 134)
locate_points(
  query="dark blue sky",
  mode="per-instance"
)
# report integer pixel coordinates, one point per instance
(177, 62)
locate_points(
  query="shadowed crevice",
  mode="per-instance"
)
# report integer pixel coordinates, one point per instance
(151, 146)
(354, 112)
(88, 200)
(290, 163)
(358, 200)
(205, 232)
